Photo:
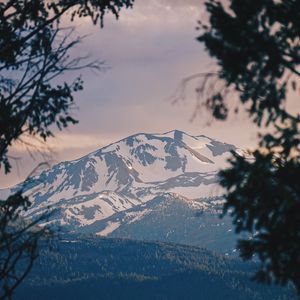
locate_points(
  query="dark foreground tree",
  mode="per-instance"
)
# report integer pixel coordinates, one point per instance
(19, 240)
(256, 44)
(34, 52)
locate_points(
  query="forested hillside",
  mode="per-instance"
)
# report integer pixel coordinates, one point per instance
(101, 268)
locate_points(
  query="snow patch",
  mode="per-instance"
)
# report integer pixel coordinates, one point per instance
(111, 226)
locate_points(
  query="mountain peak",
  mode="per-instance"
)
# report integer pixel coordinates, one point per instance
(128, 173)
(175, 131)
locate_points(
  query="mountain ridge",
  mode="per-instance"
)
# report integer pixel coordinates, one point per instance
(126, 174)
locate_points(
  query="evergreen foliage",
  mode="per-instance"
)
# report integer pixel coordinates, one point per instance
(99, 268)
(34, 53)
(256, 46)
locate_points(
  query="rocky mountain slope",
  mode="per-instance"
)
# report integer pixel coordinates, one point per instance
(137, 180)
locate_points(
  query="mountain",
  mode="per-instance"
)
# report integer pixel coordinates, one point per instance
(163, 184)
(98, 268)
(161, 187)
(171, 219)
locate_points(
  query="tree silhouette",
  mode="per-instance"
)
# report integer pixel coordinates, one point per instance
(256, 44)
(34, 52)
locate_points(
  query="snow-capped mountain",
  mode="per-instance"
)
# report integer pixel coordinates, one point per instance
(94, 193)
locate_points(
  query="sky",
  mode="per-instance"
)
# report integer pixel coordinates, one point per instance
(147, 52)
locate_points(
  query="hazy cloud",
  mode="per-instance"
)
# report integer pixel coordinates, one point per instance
(149, 49)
